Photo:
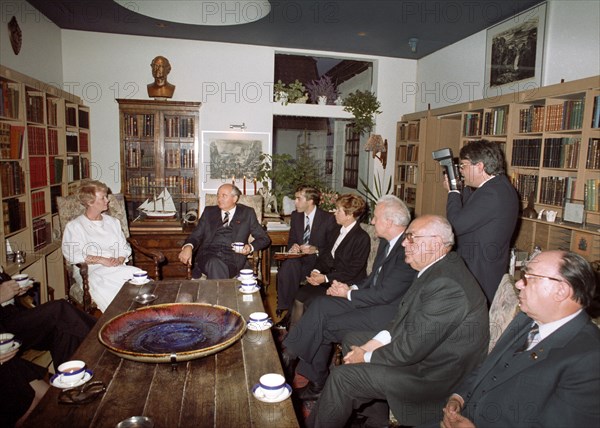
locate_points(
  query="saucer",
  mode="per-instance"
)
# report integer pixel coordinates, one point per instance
(254, 326)
(146, 281)
(239, 278)
(16, 345)
(56, 382)
(257, 391)
(27, 284)
(254, 289)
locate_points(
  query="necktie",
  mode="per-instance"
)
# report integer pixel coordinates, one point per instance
(535, 329)
(306, 235)
(386, 250)
(226, 219)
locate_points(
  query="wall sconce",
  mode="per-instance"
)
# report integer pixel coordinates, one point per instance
(412, 43)
(241, 126)
(378, 146)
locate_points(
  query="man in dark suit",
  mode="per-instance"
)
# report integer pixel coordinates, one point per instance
(312, 231)
(440, 333)
(368, 305)
(218, 228)
(545, 369)
(485, 214)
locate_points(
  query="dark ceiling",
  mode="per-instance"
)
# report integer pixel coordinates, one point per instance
(371, 27)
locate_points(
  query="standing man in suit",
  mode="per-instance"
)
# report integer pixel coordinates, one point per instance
(312, 231)
(369, 305)
(218, 228)
(485, 214)
(439, 334)
(545, 369)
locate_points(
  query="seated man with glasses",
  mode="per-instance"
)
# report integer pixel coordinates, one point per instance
(484, 214)
(545, 369)
(439, 334)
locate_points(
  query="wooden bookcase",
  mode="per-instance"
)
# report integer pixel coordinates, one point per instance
(406, 166)
(44, 152)
(159, 149)
(551, 139)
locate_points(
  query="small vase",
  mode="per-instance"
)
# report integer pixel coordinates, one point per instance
(282, 97)
(339, 101)
(322, 100)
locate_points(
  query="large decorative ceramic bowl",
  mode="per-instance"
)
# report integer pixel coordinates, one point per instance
(172, 332)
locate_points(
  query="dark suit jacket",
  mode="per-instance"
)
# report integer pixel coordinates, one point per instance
(484, 221)
(323, 229)
(351, 256)
(243, 224)
(555, 384)
(440, 333)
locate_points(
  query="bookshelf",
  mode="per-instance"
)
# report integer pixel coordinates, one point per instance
(159, 149)
(551, 139)
(406, 166)
(36, 165)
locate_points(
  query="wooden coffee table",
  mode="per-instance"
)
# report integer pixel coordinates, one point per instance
(205, 392)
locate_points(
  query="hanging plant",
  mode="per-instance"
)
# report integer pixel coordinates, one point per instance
(364, 106)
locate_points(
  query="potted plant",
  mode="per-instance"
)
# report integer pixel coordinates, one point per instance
(293, 93)
(372, 196)
(322, 91)
(364, 106)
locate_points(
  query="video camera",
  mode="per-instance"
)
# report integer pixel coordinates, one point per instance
(445, 158)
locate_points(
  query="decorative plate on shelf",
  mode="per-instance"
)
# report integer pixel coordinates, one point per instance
(172, 332)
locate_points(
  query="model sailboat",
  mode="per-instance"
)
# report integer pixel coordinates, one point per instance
(159, 207)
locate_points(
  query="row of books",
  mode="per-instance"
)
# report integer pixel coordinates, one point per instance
(11, 141)
(593, 155)
(138, 125)
(596, 112)
(84, 142)
(56, 170)
(78, 168)
(568, 115)
(139, 158)
(179, 158)
(36, 140)
(9, 100)
(561, 152)
(409, 131)
(38, 204)
(494, 121)
(471, 124)
(13, 215)
(408, 173)
(177, 126)
(84, 119)
(12, 179)
(52, 141)
(147, 186)
(531, 119)
(52, 111)
(408, 153)
(35, 108)
(38, 175)
(554, 190)
(407, 194)
(526, 185)
(526, 152)
(72, 142)
(42, 233)
(71, 115)
(591, 196)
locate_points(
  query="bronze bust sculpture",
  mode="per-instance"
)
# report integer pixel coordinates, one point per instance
(160, 88)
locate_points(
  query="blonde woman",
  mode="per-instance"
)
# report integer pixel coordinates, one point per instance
(96, 238)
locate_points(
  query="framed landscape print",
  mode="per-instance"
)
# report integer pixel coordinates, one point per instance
(514, 50)
(231, 156)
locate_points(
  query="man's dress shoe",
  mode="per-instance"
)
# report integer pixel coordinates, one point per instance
(310, 392)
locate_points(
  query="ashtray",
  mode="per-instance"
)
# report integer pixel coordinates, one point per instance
(136, 422)
(145, 298)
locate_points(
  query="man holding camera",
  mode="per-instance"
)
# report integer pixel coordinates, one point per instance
(484, 214)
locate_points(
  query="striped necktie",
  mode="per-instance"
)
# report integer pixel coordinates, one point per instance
(531, 337)
(306, 235)
(226, 219)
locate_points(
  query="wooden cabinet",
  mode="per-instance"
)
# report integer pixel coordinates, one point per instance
(44, 152)
(551, 139)
(159, 150)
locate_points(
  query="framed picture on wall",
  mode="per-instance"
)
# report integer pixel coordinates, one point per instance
(514, 51)
(231, 156)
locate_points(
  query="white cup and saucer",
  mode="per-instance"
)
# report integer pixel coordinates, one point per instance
(8, 343)
(71, 374)
(238, 247)
(259, 321)
(271, 388)
(22, 280)
(246, 274)
(140, 278)
(249, 286)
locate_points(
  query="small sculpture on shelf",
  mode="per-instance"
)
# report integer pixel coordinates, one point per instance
(160, 88)
(529, 211)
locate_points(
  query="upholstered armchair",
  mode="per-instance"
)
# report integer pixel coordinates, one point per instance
(77, 282)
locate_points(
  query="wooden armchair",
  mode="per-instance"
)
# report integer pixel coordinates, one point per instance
(77, 282)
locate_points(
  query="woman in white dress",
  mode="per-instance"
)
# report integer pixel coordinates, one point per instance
(97, 239)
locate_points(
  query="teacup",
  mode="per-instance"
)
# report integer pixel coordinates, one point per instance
(237, 247)
(7, 341)
(248, 284)
(71, 372)
(272, 384)
(140, 276)
(22, 279)
(246, 273)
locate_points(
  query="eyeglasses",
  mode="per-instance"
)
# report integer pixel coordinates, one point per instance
(410, 237)
(528, 276)
(464, 165)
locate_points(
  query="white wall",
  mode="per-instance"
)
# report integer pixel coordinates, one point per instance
(40, 55)
(455, 74)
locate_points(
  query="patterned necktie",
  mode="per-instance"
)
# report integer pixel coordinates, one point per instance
(386, 250)
(226, 219)
(306, 235)
(535, 329)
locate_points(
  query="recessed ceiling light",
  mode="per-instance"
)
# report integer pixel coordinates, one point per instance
(200, 12)
(362, 34)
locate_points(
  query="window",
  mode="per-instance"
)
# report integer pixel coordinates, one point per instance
(351, 148)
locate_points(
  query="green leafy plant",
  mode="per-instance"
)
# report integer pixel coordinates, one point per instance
(289, 93)
(372, 196)
(364, 106)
